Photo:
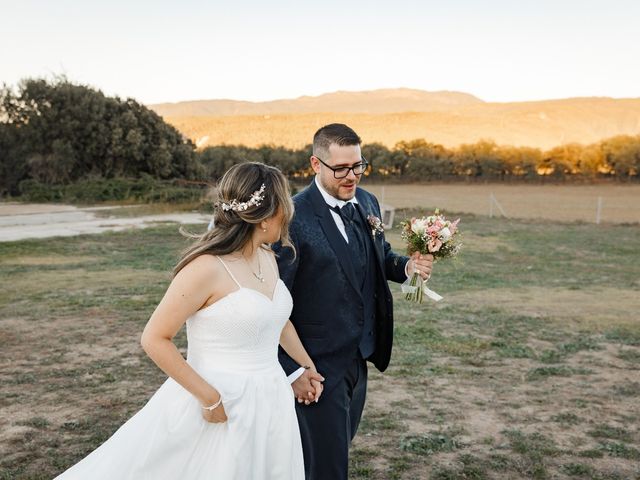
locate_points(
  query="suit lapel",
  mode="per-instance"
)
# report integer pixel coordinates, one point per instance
(335, 238)
(362, 209)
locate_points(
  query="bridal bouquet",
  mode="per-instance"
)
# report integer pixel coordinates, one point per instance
(433, 235)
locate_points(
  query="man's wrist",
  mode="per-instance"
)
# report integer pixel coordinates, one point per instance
(406, 268)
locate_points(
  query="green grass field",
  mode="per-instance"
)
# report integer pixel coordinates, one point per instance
(529, 368)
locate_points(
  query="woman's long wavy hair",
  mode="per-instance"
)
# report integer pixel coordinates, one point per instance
(233, 229)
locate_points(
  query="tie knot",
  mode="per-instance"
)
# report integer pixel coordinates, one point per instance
(348, 210)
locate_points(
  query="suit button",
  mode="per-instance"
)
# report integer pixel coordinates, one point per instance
(371, 334)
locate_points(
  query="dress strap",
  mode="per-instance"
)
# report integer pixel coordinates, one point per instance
(229, 272)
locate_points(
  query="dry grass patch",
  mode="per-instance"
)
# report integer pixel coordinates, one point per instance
(35, 261)
(560, 203)
(593, 307)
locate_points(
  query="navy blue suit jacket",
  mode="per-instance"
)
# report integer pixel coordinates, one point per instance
(327, 301)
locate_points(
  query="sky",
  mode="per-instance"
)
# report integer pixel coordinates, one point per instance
(169, 51)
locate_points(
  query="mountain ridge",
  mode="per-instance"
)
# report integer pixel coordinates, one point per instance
(464, 119)
(386, 100)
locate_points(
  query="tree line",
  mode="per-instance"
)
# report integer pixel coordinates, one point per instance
(421, 161)
(56, 135)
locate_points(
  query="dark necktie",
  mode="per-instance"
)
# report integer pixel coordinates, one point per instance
(356, 241)
(348, 211)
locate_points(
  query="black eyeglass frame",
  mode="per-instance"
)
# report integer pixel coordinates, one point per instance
(352, 168)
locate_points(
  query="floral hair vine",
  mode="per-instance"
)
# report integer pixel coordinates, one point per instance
(255, 201)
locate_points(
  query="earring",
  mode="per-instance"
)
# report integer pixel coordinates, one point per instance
(264, 229)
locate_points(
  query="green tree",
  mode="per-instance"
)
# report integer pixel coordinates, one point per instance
(521, 162)
(622, 155)
(12, 165)
(69, 132)
(217, 160)
(379, 158)
(560, 162)
(427, 161)
(591, 161)
(480, 159)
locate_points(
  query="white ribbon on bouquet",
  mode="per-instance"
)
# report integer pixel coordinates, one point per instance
(408, 288)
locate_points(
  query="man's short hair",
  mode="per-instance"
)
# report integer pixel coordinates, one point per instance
(334, 133)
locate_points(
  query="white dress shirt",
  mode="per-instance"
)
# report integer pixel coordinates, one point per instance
(334, 202)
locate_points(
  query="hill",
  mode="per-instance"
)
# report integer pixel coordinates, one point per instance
(390, 115)
(371, 102)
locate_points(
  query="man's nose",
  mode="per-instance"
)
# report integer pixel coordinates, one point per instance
(351, 175)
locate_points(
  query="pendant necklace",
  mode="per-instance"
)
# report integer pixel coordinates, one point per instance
(258, 275)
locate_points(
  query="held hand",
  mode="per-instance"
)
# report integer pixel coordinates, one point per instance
(217, 415)
(422, 264)
(308, 387)
(319, 388)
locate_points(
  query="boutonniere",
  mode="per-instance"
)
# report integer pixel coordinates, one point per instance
(376, 225)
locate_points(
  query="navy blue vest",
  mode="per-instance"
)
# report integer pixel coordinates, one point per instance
(363, 259)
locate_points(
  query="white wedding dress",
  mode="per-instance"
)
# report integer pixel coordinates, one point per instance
(233, 344)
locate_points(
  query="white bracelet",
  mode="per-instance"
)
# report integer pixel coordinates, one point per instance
(214, 406)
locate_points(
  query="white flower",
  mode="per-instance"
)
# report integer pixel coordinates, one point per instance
(444, 234)
(419, 225)
(255, 200)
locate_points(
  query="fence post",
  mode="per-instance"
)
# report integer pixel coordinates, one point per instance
(492, 200)
(599, 211)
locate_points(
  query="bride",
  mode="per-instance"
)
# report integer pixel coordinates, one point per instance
(227, 411)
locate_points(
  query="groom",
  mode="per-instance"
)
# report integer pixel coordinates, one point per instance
(342, 306)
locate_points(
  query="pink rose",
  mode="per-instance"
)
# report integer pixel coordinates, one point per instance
(434, 245)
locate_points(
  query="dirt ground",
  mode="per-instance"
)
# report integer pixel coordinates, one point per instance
(21, 221)
(557, 418)
(529, 368)
(564, 203)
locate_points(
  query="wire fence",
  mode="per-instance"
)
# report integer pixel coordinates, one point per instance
(586, 203)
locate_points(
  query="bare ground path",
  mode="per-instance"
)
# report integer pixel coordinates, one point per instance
(20, 221)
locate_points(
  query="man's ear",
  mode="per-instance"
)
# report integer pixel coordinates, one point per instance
(315, 163)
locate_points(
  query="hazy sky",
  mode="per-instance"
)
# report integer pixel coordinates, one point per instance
(159, 50)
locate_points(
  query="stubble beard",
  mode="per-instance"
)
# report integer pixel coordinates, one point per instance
(334, 190)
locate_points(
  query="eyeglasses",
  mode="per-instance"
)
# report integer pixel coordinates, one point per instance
(341, 172)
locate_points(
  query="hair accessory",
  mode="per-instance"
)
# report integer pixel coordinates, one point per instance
(254, 201)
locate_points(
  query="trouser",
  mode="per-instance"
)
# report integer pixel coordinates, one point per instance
(327, 427)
